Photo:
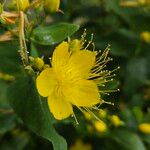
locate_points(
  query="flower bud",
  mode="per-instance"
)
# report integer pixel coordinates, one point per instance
(22, 5)
(46, 66)
(144, 128)
(142, 2)
(87, 116)
(116, 121)
(80, 145)
(37, 63)
(51, 6)
(102, 113)
(145, 36)
(100, 126)
(135, 3)
(75, 45)
(6, 77)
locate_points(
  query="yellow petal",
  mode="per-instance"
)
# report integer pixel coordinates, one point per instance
(82, 93)
(60, 108)
(81, 62)
(60, 56)
(46, 82)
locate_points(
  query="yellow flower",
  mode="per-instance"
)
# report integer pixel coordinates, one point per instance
(144, 128)
(51, 6)
(79, 145)
(116, 121)
(73, 79)
(100, 126)
(145, 36)
(22, 5)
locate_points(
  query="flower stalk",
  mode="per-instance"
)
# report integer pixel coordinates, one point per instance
(23, 47)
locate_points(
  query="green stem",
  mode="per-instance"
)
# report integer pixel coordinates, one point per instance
(6, 111)
(23, 47)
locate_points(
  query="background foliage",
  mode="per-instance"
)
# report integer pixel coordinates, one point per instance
(111, 23)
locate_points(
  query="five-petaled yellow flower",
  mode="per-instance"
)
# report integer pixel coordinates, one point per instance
(73, 79)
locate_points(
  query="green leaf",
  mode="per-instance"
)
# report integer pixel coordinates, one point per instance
(128, 140)
(34, 52)
(129, 119)
(50, 35)
(145, 138)
(34, 111)
(18, 141)
(138, 113)
(7, 118)
(7, 122)
(3, 97)
(9, 57)
(113, 7)
(137, 74)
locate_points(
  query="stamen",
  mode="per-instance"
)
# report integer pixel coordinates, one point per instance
(105, 53)
(95, 108)
(113, 75)
(92, 114)
(69, 40)
(100, 83)
(115, 69)
(90, 42)
(109, 91)
(50, 59)
(80, 108)
(83, 35)
(92, 35)
(110, 103)
(75, 118)
(104, 93)
(93, 47)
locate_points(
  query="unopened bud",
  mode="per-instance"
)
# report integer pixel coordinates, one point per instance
(6, 77)
(37, 63)
(102, 113)
(46, 66)
(51, 6)
(115, 120)
(145, 36)
(75, 45)
(142, 2)
(87, 116)
(144, 128)
(100, 126)
(22, 5)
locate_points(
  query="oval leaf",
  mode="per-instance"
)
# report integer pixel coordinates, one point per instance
(128, 140)
(34, 111)
(49, 35)
(9, 57)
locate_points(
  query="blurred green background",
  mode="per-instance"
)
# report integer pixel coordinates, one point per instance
(126, 27)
